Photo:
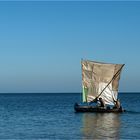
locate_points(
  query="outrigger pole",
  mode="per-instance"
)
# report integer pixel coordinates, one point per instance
(117, 73)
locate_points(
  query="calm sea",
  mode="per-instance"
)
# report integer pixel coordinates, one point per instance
(51, 116)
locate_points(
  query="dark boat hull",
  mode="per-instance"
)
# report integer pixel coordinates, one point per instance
(87, 108)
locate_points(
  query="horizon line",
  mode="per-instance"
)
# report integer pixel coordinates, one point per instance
(55, 92)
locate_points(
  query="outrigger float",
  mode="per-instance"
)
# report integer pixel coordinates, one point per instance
(99, 81)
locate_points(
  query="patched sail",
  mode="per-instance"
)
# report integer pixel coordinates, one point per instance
(100, 80)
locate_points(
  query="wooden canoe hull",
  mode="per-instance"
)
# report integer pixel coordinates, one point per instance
(87, 108)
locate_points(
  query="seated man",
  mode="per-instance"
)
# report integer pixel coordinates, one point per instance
(102, 104)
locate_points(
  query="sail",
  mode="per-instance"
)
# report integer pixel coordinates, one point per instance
(99, 77)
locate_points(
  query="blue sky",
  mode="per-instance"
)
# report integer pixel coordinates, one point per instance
(42, 43)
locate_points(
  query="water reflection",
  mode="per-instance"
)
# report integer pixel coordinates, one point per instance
(101, 126)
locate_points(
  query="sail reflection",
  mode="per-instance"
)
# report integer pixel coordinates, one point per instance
(101, 126)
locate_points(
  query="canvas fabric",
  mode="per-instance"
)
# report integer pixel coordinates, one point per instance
(96, 76)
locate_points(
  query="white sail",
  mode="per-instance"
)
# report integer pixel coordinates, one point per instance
(98, 78)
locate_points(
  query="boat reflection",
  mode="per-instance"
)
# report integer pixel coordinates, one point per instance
(101, 126)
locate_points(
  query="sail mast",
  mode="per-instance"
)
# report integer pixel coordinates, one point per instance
(84, 89)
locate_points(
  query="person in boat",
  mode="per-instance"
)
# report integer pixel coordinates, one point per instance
(102, 103)
(117, 104)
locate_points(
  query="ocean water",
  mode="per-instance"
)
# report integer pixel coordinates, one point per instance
(51, 116)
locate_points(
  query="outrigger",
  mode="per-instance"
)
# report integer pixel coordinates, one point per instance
(100, 82)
